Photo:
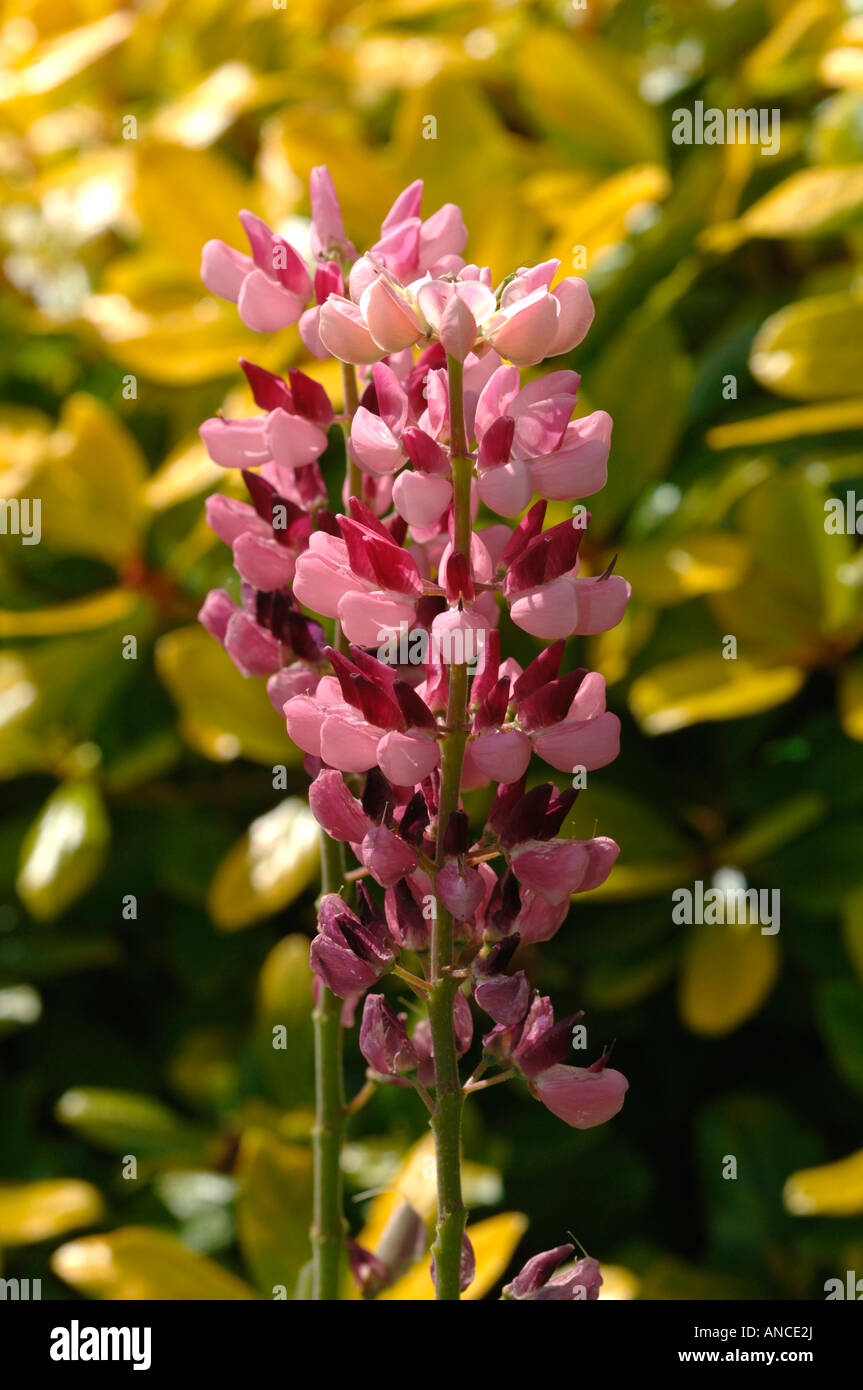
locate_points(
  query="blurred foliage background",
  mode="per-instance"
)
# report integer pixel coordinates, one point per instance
(157, 887)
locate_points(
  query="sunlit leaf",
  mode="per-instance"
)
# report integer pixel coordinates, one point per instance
(34, 1211)
(135, 1263)
(811, 350)
(670, 572)
(122, 1121)
(284, 1041)
(834, 1189)
(494, 1242)
(274, 1209)
(726, 974)
(274, 863)
(64, 850)
(705, 686)
(223, 715)
(788, 424)
(89, 508)
(75, 615)
(576, 90)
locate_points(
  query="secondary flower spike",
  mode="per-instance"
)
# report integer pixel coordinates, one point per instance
(372, 608)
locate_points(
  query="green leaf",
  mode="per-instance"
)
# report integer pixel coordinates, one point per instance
(644, 381)
(706, 686)
(122, 1121)
(840, 1015)
(748, 1228)
(64, 850)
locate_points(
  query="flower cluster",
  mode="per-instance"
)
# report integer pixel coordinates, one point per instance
(405, 702)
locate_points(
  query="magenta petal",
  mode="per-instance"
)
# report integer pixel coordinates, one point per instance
(253, 650)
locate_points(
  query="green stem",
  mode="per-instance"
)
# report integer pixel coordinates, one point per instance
(328, 1226)
(449, 1099)
(328, 1223)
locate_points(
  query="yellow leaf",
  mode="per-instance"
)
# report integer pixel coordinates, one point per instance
(273, 864)
(223, 715)
(34, 1211)
(494, 1242)
(199, 116)
(24, 435)
(63, 56)
(90, 484)
(851, 699)
(76, 615)
(812, 202)
(184, 345)
(136, 1263)
(834, 1189)
(704, 686)
(811, 350)
(667, 572)
(274, 1208)
(727, 973)
(788, 424)
(576, 89)
(204, 194)
(619, 1285)
(598, 218)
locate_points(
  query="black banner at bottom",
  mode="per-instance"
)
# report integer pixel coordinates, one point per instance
(82, 1339)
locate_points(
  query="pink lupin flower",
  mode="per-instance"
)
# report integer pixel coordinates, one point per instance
(270, 288)
(556, 868)
(350, 952)
(335, 809)
(538, 1282)
(386, 856)
(328, 238)
(383, 1040)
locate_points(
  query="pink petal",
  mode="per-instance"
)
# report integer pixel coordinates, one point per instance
(223, 270)
(373, 444)
(262, 562)
(407, 758)
(236, 443)
(575, 314)
(421, 497)
(506, 489)
(549, 611)
(304, 717)
(591, 743)
(601, 603)
(391, 321)
(523, 331)
(578, 468)
(345, 333)
(371, 619)
(333, 807)
(294, 441)
(502, 754)
(264, 306)
(349, 744)
(580, 1097)
(253, 650)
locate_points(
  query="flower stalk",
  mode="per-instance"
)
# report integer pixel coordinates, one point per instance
(328, 1223)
